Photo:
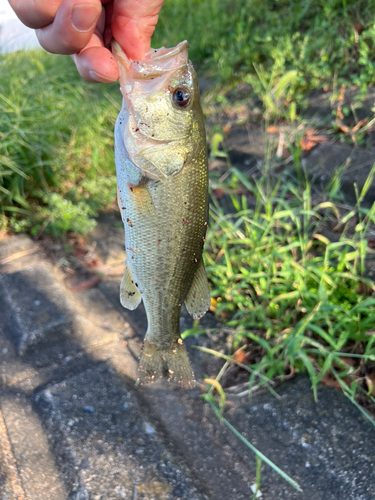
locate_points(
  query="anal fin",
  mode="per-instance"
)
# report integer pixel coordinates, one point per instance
(198, 299)
(130, 297)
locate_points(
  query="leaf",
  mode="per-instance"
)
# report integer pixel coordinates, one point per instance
(367, 183)
(217, 139)
(358, 26)
(242, 177)
(343, 128)
(363, 305)
(241, 357)
(329, 380)
(370, 382)
(328, 204)
(359, 125)
(218, 193)
(341, 96)
(365, 288)
(322, 238)
(213, 304)
(231, 360)
(310, 140)
(280, 89)
(272, 129)
(219, 389)
(288, 295)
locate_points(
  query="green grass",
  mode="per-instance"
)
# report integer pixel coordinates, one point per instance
(56, 145)
(281, 284)
(278, 280)
(56, 130)
(323, 41)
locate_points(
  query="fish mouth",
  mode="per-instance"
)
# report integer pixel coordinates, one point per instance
(156, 63)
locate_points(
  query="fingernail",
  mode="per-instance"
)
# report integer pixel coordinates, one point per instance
(84, 17)
(100, 78)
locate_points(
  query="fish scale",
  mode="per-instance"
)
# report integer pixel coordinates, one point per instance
(165, 229)
(163, 189)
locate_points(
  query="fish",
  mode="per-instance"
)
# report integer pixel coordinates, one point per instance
(162, 177)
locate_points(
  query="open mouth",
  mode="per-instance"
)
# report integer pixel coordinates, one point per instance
(157, 62)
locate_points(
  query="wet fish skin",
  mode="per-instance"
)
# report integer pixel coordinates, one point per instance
(161, 165)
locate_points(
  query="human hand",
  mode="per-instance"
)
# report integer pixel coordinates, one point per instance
(84, 29)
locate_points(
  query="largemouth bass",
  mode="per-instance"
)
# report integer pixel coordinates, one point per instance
(162, 175)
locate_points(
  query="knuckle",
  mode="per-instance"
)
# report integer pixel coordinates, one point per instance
(56, 45)
(69, 46)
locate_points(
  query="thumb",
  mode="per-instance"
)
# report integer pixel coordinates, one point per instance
(133, 24)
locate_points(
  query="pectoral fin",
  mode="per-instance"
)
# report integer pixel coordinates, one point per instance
(119, 203)
(130, 297)
(198, 299)
(161, 161)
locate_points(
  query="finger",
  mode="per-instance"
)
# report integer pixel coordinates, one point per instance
(133, 24)
(35, 13)
(72, 28)
(96, 63)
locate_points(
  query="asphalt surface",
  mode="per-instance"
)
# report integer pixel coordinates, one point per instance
(73, 424)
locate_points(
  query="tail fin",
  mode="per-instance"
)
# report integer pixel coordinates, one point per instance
(172, 363)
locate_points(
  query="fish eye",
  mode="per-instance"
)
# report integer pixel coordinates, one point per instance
(181, 97)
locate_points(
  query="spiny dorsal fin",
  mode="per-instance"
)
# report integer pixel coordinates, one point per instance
(129, 293)
(198, 299)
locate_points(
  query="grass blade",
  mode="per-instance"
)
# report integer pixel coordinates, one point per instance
(253, 449)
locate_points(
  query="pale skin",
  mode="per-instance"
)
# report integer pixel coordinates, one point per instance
(84, 29)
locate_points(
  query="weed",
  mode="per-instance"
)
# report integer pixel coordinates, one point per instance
(258, 477)
(56, 144)
(210, 399)
(318, 41)
(279, 282)
(56, 130)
